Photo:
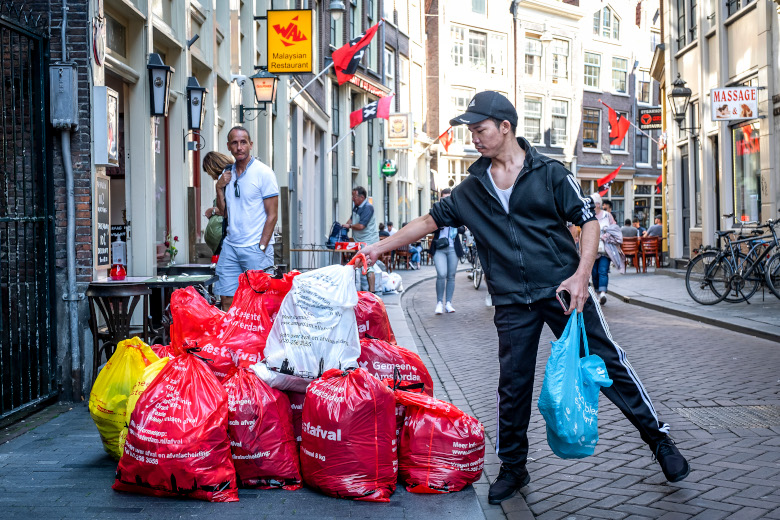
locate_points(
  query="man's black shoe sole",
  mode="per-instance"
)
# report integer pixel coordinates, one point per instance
(681, 477)
(496, 501)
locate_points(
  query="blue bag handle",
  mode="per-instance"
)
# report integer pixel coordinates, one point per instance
(581, 326)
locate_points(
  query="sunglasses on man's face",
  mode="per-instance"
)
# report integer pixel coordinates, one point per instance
(236, 191)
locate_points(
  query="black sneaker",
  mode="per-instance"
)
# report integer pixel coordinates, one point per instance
(507, 483)
(673, 464)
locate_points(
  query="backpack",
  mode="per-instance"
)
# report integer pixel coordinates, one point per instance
(338, 233)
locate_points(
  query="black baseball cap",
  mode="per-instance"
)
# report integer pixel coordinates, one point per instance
(484, 105)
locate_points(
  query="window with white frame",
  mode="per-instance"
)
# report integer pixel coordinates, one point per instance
(372, 13)
(479, 6)
(497, 51)
(460, 99)
(622, 146)
(403, 79)
(591, 128)
(606, 24)
(592, 70)
(560, 56)
(687, 25)
(532, 119)
(642, 149)
(643, 88)
(533, 58)
(619, 75)
(560, 122)
(389, 66)
(478, 50)
(458, 37)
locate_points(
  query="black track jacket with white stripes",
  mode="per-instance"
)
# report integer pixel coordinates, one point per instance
(529, 251)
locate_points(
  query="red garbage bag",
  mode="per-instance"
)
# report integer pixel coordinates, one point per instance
(177, 441)
(348, 448)
(164, 351)
(372, 317)
(296, 403)
(381, 358)
(192, 317)
(265, 453)
(442, 449)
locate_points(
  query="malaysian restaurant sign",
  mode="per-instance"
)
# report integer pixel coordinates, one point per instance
(729, 104)
(290, 41)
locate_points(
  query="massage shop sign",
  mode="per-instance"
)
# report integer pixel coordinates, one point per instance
(729, 104)
(290, 41)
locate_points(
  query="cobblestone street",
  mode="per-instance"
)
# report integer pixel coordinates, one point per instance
(727, 382)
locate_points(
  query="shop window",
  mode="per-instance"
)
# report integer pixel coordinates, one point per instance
(591, 128)
(592, 70)
(747, 173)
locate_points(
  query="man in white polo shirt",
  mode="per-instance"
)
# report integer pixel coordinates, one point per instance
(249, 192)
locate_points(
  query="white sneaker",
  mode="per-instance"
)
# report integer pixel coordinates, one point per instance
(603, 297)
(440, 308)
(449, 307)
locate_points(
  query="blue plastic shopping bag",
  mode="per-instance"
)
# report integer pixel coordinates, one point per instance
(569, 401)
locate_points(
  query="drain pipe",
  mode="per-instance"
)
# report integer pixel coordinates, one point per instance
(65, 118)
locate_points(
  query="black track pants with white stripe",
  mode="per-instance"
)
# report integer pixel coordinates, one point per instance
(519, 327)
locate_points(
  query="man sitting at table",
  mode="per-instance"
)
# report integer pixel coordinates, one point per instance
(249, 195)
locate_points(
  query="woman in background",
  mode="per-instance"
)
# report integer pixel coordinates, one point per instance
(446, 249)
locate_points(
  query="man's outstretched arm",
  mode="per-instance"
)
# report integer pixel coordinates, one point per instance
(412, 232)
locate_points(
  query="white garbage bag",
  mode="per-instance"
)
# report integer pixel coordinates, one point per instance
(393, 283)
(315, 329)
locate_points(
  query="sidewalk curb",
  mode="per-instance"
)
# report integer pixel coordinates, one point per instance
(695, 317)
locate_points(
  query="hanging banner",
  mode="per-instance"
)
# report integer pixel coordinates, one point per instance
(290, 41)
(103, 221)
(735, 103)
(399, 133)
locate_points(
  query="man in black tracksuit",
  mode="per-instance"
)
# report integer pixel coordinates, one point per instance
(517, 203)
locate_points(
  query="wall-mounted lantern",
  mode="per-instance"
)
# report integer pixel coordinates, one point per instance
(196, 96)
(336, 9)
(264, 84)
(159, 84)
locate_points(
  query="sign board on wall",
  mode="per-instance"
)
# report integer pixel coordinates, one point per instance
(650, 118)
(103, 222)
(735, 103)
(290, 42)
(105, 137)
(399, 133)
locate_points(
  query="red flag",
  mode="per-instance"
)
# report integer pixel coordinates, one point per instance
(379, 108)
(605, 182)
(446, 139)
(618, 126)
(658, 183)
(347, 57)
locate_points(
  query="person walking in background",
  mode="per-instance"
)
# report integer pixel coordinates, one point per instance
(249, 195)
(600, 272)
(628, 230)
(364, 229)
(446, 249)
(530, 257)
(214, 164)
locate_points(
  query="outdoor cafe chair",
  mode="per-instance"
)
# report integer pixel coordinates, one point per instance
(649, 247)
(630, 248)
(403, 255)
(116, 303)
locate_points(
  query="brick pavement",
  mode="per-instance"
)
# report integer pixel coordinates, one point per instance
(683, 365)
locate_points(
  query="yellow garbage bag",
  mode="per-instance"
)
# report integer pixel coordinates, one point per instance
(108, 400)
(143, 382)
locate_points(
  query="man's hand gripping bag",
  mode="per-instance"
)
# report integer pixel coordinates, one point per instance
(177, 441)
(442, 449)
(315, 329)
(371, 317)
(569, 400)
(265, 453)
(349, 445)
(113, 386)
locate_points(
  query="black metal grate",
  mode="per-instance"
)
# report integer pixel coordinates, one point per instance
(732, 416)
(27, 357)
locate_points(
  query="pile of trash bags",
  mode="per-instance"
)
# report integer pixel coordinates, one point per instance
(300, 383)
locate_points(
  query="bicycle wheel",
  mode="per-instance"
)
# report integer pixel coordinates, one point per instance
(772, 274)
(743, 288)
(477, 273)
(707, 278)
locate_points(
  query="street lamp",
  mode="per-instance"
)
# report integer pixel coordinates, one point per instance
(679, 98)
(159, 84)
(264, 84)
(336, 9)
(196, 96)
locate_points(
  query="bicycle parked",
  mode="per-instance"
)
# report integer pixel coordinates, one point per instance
(731, 274)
